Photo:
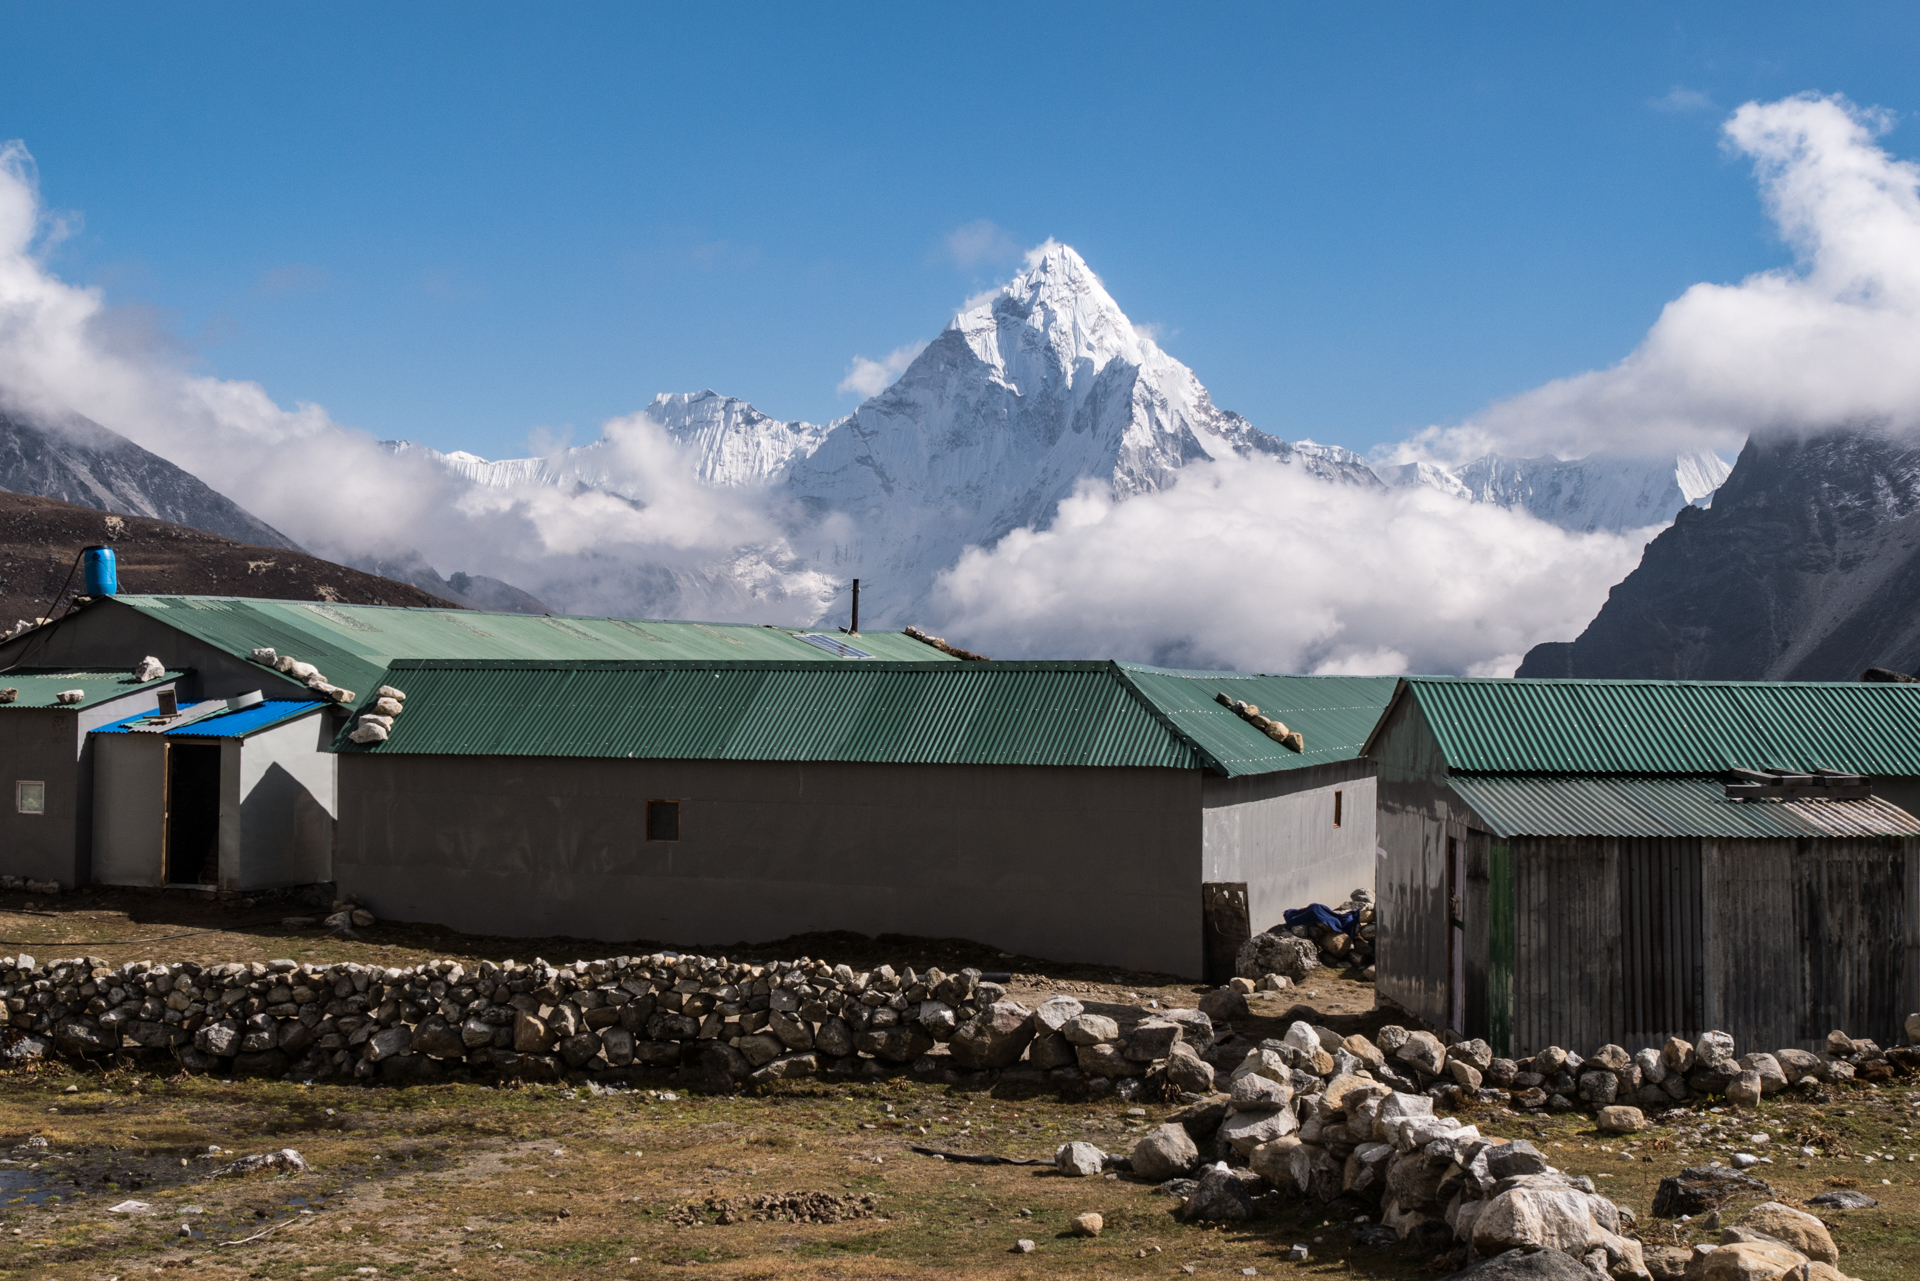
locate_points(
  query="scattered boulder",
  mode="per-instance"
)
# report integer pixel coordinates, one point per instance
(1079, 1160)
(1087, 1225)
(1796, 1228)
(1843, 1199)
(1745, 1261)
(1166, 1152)
(1698, 1189)
(1620, 1119)
(1277, 953)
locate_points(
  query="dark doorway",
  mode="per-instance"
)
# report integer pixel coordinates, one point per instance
(1224, 926)
(193, 814)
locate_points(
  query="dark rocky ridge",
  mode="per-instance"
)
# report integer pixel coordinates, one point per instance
(40, 537)
(78, 461)
(1806, 567)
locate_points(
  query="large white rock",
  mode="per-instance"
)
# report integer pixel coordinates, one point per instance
(1537, 1219)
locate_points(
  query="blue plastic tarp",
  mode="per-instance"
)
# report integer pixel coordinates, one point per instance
(1322, 915)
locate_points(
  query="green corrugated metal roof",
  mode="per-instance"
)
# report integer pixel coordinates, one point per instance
(1335, 714)
(38, 685)
(1670, 727)
(1089, 714)
(1529, 805)
(352, 644)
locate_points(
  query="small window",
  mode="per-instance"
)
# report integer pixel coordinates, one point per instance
(1336, 808)
(30, 798)
(663, 820)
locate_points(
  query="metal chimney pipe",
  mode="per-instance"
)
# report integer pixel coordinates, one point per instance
(855, 629)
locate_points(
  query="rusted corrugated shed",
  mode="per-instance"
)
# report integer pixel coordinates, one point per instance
(1561, 862)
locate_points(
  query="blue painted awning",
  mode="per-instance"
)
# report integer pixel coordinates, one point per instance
(247, 720)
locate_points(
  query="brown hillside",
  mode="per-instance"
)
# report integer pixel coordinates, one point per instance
(41, 537)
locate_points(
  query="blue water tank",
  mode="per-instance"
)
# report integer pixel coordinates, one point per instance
(102, 575)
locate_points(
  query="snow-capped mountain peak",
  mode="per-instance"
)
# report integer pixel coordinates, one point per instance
(736, 443)
(1055, 306)
(1580, 494)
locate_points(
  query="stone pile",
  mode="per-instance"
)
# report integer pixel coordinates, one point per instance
(1328, 1118)
(1619, 1087)
(1294, 952)
(29, 885)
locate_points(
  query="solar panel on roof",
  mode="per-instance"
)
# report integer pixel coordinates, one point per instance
(832, 644)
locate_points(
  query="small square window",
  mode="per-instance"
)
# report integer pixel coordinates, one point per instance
(1336, 809)
(30, 798)
(663, 820)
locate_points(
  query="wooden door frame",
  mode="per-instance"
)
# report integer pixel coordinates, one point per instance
(1456, 933)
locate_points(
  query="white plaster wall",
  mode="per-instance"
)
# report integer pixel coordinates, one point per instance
(285, 800)
(1276, 833)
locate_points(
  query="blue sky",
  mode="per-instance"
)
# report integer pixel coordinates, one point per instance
(462, 223)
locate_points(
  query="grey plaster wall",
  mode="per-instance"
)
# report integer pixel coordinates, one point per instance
(1417, 814)
(41, 745)
(1099, 865)
(129, 808)
(52, 745)
(286, 805)
(1276, 833)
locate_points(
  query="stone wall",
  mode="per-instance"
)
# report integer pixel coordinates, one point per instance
(717, 1023)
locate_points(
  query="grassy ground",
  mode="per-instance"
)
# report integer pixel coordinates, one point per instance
(463, 1179)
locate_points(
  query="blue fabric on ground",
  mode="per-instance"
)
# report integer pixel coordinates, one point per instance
(1322, 915)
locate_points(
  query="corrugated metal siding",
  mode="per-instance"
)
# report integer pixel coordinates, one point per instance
(1529, 805)
(1671, 727)
(38, 685)
(1417, 813)
(1334, 714)
(1663, 965)
(1003, 714)
(1852, 891)
(1776, 942)
(1567, 966)
(353, 644)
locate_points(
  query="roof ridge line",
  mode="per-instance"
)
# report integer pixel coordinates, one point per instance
(1125, 677)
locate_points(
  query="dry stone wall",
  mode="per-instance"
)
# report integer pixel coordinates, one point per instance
(716, 1023)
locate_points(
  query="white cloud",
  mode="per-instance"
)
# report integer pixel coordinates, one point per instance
(1826, 342)
(871, 377)
(981, 243)
(1254, 564)
(654, 539)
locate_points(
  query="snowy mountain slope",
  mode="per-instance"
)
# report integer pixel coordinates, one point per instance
(76, 460)
(1024, 396)
(1581, 494)
(1021, 398)
(734, 444)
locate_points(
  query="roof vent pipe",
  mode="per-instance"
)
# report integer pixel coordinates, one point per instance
(100, 572)
(855, 629)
